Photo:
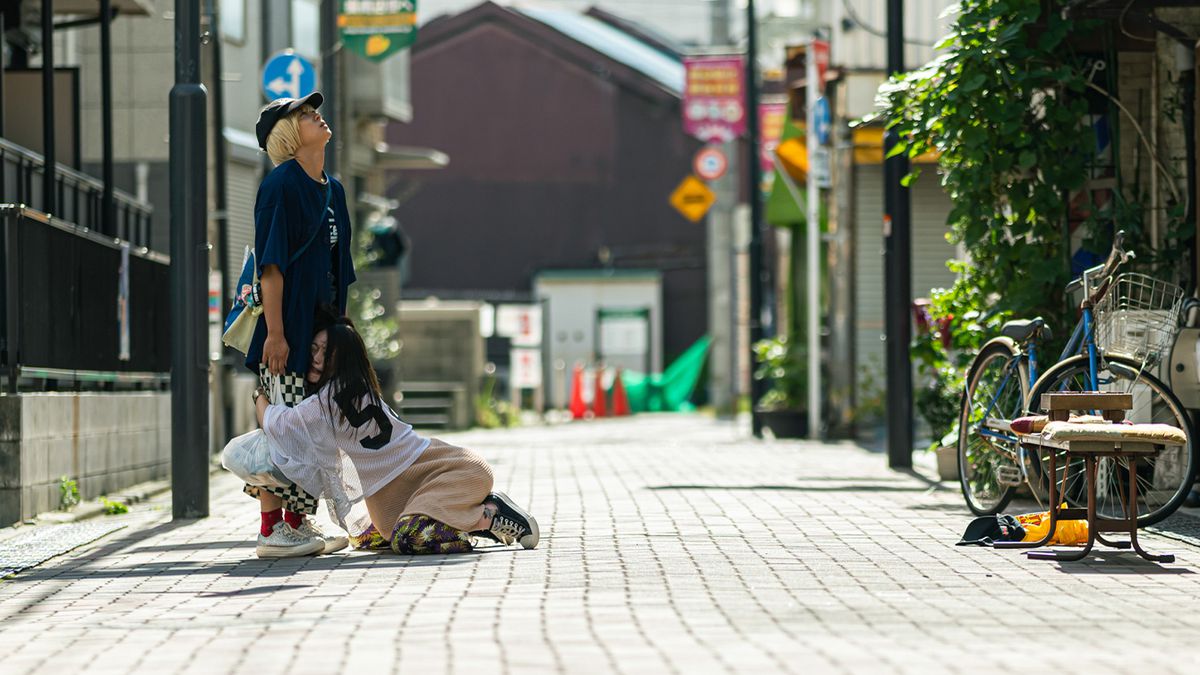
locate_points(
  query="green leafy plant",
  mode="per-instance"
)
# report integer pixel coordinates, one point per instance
(113, 508)
(68, 493)
(491, 412)
(939, 403)
(870, 404)
(782, 362)
(380, 332)
(1005, 109)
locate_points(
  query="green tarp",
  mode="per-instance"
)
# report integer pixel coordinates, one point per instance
(670, 391)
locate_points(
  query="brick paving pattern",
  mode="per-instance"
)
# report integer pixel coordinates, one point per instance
(671, 544)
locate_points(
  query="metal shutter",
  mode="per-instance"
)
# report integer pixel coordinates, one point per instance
(242, 187)
(930, 251)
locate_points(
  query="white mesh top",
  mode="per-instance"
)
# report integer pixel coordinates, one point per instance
(341, 460)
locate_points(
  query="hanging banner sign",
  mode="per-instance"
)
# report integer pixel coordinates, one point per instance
(771, 116)
(714, 97)
(820, 54)
(376, 29)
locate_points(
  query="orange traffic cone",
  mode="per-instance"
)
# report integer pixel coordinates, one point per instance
(599, 398)
(577, 406)
(620, 401)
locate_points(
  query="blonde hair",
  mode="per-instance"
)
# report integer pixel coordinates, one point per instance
(284, 139)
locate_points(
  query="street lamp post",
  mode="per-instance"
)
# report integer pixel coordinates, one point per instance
(755, 249)
(897, 271)
(189, 272)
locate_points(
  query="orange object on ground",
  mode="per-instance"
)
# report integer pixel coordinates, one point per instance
(1066, 532)
(599, 398)
(620, 402)
(577, 407)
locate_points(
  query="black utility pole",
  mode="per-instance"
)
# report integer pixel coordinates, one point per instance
(48, 117)
(189, 272)
(897, 239)
(108, 213)
(329, 109)
(754, 170)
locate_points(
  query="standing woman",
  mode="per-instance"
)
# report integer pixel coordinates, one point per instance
(302, 242)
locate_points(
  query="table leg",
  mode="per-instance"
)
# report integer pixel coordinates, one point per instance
(1053, 511)
(1131, 512)
(1072, 556)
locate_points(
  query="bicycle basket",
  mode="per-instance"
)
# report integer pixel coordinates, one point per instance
(1138, 317)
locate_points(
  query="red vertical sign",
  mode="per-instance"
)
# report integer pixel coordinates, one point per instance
(714, 98)
(820, 53)
(771, 116)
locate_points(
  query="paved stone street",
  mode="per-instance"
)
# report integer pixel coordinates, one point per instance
(670, 544)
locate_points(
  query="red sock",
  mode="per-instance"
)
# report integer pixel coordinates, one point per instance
(269, 518)
(293, 519)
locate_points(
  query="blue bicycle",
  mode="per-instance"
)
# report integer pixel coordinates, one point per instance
(1128, 323)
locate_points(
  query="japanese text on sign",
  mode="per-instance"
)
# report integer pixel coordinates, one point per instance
(713, 105)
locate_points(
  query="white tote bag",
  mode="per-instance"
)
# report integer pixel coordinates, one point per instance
(249, 456)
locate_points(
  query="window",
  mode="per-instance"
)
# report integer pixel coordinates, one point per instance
(233, 20)
(306, 28)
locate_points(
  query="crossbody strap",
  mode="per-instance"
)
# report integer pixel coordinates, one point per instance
(320, 222)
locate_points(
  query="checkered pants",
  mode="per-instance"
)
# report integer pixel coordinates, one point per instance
(292, 392)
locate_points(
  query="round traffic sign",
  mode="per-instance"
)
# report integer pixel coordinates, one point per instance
(710, 163)
(288, 74)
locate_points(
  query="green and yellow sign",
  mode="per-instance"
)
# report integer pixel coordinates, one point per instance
(376, 29)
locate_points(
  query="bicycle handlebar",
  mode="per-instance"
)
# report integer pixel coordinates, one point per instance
(1117, 257)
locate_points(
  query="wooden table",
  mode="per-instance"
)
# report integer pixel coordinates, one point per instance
(1113, 407)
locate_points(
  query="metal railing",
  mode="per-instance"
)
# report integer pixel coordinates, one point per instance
(70, 313)
(79, 196)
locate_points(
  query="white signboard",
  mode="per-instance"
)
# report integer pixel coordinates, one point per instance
(820, 166)
(624, 335)
(520, 323)
(526, 372)
(487, 320)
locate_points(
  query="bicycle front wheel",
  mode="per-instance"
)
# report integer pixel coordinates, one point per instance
(988, 454)
(1163, 480)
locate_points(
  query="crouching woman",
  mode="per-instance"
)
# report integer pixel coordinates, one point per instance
(345, 444)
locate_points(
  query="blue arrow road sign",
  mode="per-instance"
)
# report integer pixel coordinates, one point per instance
(287, 74)
(821, 120)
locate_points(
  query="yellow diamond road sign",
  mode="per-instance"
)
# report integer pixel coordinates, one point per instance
(692, 198)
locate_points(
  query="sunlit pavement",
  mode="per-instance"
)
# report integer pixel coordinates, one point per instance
(669, 544)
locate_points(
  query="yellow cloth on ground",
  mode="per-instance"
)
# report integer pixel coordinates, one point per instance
(1066, 532)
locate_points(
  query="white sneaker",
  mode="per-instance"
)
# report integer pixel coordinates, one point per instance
(286, 542)
(332, 543)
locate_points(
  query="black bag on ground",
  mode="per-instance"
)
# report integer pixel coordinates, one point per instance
(986, 530)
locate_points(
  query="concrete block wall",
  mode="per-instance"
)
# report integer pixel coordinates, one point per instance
(103, 441)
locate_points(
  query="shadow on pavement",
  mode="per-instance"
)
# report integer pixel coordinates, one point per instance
(240, 543)
(1115, 562)
(796, 488)
(258, 590)
(942, 507)
(250, 567)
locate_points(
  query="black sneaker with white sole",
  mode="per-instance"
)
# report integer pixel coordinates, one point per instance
(511, 524)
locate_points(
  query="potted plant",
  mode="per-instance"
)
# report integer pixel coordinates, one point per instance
(870, 406)
(938, 404)
(783, 409)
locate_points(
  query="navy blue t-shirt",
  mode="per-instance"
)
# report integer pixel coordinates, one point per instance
(287, 213)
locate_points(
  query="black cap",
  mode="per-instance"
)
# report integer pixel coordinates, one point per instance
(985, 530)
(280, 108)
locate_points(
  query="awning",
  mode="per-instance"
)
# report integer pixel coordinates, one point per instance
(92, 7)
(868, 147)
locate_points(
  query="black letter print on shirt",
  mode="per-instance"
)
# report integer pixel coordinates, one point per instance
(358, 418)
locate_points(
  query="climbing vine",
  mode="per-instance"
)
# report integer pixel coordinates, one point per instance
(1005, 109)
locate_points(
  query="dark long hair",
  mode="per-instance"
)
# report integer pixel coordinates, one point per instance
(348, 371)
